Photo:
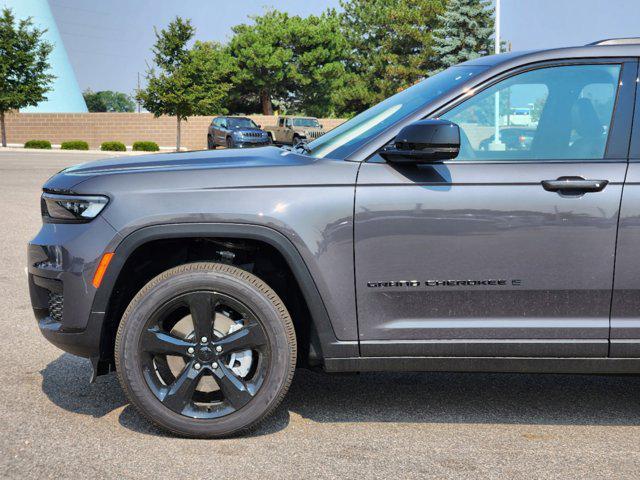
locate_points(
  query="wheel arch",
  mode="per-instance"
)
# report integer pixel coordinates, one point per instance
(323, 339)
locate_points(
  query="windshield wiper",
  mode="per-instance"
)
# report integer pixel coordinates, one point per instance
(302, 145)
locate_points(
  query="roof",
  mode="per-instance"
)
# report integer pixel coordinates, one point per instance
(600, 50)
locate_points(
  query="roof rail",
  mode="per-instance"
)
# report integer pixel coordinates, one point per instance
(617, 41)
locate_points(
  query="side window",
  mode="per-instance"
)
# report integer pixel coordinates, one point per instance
(550, 113)
(288, 122)
(281, 122)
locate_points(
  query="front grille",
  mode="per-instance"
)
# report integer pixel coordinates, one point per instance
(56, 301)
(315, 134)
(252, 134)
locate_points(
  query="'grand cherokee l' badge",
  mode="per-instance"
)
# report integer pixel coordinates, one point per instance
(444, 283)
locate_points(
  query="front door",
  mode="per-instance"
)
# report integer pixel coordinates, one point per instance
(508, 250)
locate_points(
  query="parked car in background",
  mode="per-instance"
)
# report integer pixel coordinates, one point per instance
(291, 130)
(236, 132)
(513, 139)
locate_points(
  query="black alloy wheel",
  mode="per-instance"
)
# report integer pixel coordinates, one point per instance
(206, 350)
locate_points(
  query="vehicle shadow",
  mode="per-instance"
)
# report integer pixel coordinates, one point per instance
(390, 397)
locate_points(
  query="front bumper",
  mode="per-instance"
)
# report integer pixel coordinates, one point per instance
(62, 260)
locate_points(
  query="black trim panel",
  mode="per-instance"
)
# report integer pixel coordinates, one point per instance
(476, 364)
(560, 348)
(625, 347)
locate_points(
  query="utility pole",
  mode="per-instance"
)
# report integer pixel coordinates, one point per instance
(497, 144)
(138, 93)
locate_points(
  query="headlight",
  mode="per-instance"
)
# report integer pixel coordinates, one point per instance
(71, 208)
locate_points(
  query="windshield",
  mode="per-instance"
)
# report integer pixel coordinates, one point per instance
(306, 122)
(241, 123)
(348, 137)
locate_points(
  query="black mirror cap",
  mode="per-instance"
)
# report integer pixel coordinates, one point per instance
(425, 141)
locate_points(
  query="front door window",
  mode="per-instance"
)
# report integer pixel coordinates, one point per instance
(554, 113)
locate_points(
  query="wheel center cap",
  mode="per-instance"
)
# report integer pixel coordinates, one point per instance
(205, 354)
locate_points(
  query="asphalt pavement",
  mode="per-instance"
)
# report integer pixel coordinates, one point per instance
(54, 424)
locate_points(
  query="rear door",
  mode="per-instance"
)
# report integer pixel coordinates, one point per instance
(509, 249)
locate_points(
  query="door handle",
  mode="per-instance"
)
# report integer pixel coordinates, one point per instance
(574, 185)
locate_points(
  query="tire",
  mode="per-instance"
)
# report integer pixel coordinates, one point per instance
(295, 140)
(211, 145)
(240, 402)
(230, 143)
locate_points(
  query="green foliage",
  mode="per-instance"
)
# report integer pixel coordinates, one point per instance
(465, 32)
(24, 65)
(108, 101)
(43, 144)
(186, 81)
(317, 70)
(145, 147)
(113, 147)
(334, 64)
(74, 145)
(390, 48)
(263, 56)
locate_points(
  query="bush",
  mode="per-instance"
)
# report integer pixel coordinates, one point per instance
(145, 147)
(113, 147)
(75, 145)
(44, 144)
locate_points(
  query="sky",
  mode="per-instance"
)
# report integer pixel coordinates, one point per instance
(109, 42)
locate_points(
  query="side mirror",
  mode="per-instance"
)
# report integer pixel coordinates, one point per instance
(425, 141)
(259, 126)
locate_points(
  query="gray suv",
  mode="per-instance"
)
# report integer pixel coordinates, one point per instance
(399, 241)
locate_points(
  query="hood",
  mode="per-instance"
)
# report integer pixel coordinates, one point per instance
(191, 166)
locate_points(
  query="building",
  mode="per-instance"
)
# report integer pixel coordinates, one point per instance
(65, 95)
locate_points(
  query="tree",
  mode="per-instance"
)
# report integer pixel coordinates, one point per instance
(317, 68)
(24, 66)
(108, 101)
(465, 32)
(187, 81)
(391, 48)
(263, 55)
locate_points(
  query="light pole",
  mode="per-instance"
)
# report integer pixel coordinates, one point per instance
(497, 144)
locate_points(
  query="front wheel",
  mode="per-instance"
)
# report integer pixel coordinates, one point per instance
(211, 145)
(230, 143)
(206, 350)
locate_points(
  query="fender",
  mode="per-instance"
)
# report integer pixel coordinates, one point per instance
(329, 344)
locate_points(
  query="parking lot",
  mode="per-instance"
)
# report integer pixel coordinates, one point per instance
(54, 424)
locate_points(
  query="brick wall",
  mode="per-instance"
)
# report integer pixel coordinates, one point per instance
(96, 128)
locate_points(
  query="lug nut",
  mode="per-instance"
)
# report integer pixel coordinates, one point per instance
(197, 366)
(203, 340)
(214, 365)
(190, 350)
(218, 349)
